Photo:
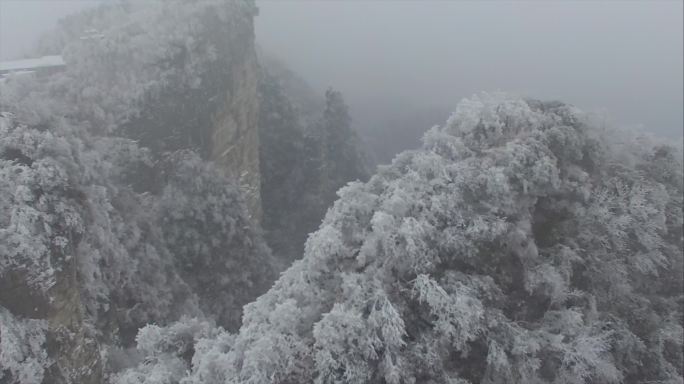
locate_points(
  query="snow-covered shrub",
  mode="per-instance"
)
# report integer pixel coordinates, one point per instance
(210, 237)
(23, 357)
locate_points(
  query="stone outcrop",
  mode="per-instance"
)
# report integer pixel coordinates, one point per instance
(234, 141)
(200, 93)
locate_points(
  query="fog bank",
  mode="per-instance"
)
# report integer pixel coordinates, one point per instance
(623, 57)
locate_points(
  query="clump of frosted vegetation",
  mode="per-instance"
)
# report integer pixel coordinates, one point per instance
(168, 350)
(23, 358)
(138, 258)
(517, 246)
(121, 56)
(72, 218)
(64, 214)
(210, 237)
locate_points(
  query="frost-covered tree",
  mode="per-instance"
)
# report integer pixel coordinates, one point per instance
(521, 244)
(341, 158)
(94, 238)
(307, 152)
(123, 56)
(213, 243)
(287, 184)
(169, 350)
(23, 357)
(76, 249)
(72, 236)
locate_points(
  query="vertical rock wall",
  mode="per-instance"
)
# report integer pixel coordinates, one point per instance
(105, 83)
(235, 138)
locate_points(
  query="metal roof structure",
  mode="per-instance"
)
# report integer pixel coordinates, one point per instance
(45, 62)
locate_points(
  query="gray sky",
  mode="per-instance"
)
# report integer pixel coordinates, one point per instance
(22, 22)
(622, 57)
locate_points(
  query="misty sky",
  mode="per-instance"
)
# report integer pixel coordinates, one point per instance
(622, 57)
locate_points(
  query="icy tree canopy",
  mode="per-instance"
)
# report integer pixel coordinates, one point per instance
(521, 244)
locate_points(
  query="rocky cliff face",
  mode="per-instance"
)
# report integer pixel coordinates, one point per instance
(210, 104)
(177, 75)
(82, 260)
(42, 259)
(235, 136)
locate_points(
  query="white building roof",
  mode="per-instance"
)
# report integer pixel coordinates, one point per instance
(29, 64)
